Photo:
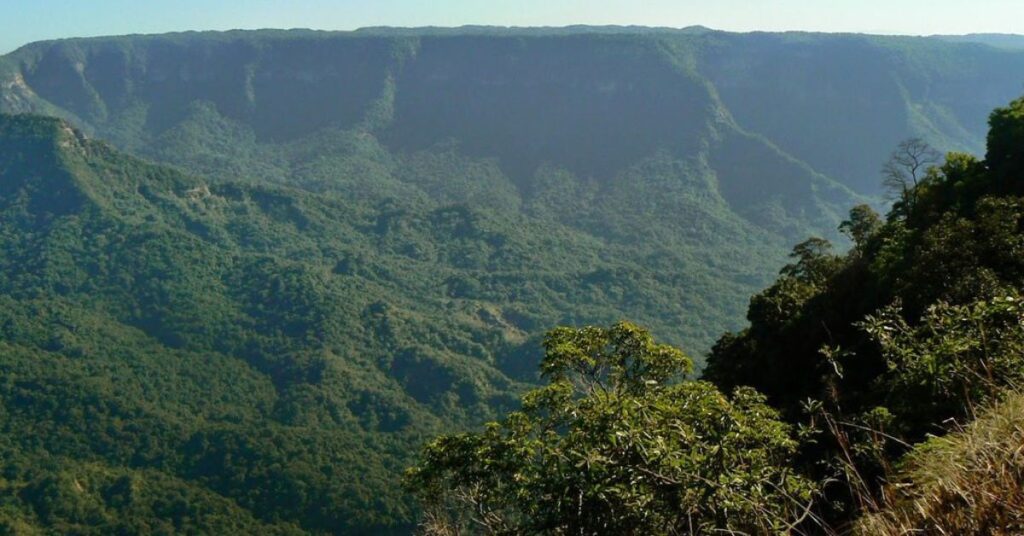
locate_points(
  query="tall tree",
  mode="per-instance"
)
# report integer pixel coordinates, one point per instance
(907, 166)
(862, 223)
(1005, 154)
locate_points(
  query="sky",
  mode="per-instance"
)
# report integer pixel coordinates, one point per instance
(24, 21)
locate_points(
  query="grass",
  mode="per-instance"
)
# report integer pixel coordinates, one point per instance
(968, 482)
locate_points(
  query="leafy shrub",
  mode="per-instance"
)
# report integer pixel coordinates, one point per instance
(616, 443)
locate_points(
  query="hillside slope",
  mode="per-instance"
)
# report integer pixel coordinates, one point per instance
(611, 136)
(692, 137)
(272, 354)
(907, 336)
(589, 100)
(364, 234)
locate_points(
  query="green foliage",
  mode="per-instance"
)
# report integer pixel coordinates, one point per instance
(776, 310)
(862, 224)
(364, 269)
(953, 357)
(1005, 156)
(289, 351)
(958, 245)
(814, 262)
(912, 330)
(69, 497)
(616, 442)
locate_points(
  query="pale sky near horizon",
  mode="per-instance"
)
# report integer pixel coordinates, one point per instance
(24, 21)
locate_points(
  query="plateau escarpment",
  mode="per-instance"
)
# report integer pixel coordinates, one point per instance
(353, 241)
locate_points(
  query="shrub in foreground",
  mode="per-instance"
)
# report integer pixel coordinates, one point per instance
(616, 443)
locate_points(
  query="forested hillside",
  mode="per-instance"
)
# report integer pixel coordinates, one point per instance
(352, 242)
(701, 149)
(876, 393)
(590, 101)
(282, 349)
(381, 120)
(913, 333)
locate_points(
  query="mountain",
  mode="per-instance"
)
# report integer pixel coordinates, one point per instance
(1008, 41)
(695, 139)
(591, 101)
(264, 355)
(351, 242)
(611, 142)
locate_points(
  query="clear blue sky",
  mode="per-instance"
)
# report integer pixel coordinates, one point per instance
(23, 21)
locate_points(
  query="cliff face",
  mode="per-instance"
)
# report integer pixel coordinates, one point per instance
(377, 227)
(864, 94)
(593, 102)
(722, 148)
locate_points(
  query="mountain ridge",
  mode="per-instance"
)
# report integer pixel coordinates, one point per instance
(295, 256)
(702, 53)
(258, 347)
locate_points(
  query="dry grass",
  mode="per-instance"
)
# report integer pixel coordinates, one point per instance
(970, 482)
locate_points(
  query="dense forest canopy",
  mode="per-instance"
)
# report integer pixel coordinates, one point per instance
(354, 242)
(913, 331)
(869, 356)
(697, 151)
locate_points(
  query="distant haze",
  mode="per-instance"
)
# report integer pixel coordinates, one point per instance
(25, 21)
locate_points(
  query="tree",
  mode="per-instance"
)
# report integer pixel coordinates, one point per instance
(906, 168)
(616, 443)
(814, 261)
(1005, 156)
(861, 225)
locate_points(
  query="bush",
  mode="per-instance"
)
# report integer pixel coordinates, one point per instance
(616, 443)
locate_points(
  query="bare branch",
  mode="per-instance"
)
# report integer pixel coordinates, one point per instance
(907, 167)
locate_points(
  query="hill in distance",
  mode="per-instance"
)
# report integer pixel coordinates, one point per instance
(264, 355)
(693, 139)
(1007, 41)
(353, 241)
(591, 101)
